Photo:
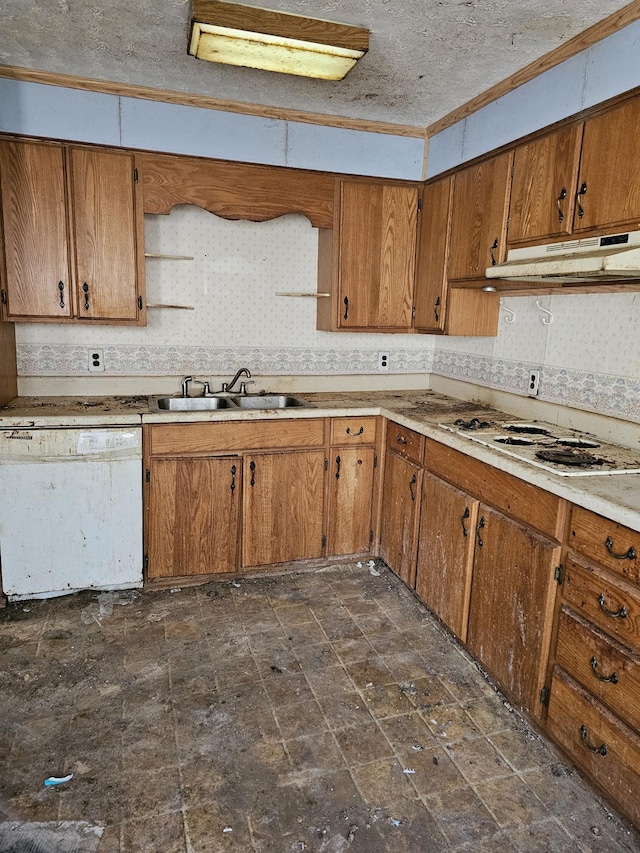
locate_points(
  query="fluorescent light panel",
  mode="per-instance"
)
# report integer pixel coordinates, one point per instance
(246, 36)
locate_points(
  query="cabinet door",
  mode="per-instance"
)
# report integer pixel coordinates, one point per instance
(445, 551)
(512, 599)
(193, 515)
(35, 230)
(104, 215)
(433, 255)
(377, 236)
(350, 500)
(545, 173)
(478, 218)
(283, 507)
(400, 516)
(609, 181)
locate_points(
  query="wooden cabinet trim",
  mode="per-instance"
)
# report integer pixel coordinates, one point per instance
(202, 439)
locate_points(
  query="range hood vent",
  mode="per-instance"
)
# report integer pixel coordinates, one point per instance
(615, 257)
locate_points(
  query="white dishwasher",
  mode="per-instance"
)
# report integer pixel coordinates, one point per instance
(70, 510)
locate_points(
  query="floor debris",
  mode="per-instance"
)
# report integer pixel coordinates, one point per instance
(57, 780)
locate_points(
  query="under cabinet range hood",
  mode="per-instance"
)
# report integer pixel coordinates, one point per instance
(615, 257)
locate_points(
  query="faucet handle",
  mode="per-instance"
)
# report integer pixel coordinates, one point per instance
(243, 386)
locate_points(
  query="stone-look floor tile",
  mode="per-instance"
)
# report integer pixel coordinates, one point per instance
(344, 709)
(388, 643)
(427, 692)
(294, 614)
(407, 733)
(315, 753)
(434, 772)
(383, 783)
(461, 817)
(305, 634)
(283, 689)
(523, 750)
(362, 607)
(387, 700)
(363, 744)
(489, 714)
(595, 828)
(110, 841)
(511, 803)
(370, 672)
(329, 798)
(352, 651)
(450, 723)
(412, 828)
(151, 793)
(477, 759)
(371, 624)
(497, 843)
(406, 665)
(159, 832)
(545, 837)
(561, 789)
(301, 719)
(316, 656)
(330, 681)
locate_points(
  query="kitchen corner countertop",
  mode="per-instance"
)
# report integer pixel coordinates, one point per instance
(614, 496)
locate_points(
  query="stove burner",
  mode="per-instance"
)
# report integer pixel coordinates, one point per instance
(576, 442)
(573, 458)
(512, 439)
(474, 423)
(527, 429)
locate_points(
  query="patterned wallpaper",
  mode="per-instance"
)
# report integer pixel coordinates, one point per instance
(589, 355)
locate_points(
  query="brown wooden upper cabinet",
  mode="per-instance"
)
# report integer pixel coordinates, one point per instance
(479, 217)
(368, 262)
(72, 230)
(581, 178)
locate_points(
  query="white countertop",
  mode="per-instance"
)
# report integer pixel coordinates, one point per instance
(615, 496)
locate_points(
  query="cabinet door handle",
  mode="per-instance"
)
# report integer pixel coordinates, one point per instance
(559, 200)
(402, 439)
(614, 614)
(61, 291)
(360, 431)
(233, 479)
(492, 249)
(579, 196)
(630, 554)
(252, 468)
(338, 461)
(463, 518)
(436, 313)
(584, 737)
(412, 483)
(85, 290)
(610, 679)
(346, 307)
(481, 524)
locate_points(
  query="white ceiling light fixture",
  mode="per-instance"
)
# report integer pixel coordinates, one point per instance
(234, 34)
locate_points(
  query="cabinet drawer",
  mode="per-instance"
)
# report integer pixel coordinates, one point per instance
(606, 600)
(608, 543)
(405, 441)
(353, 431)
(585, 730)
(205, 438)
(601, 665)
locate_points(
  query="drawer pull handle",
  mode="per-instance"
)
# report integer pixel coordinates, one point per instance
(610, 679)
(584, 736)
(402, 439)
(628, 555)
(463, 518)
(614, 614)
(360, 431)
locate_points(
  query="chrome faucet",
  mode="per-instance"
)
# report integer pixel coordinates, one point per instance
(206, 388)
(244, 371)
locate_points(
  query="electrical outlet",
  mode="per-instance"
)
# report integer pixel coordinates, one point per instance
(96, 361)
(533, 383)
(383, 362)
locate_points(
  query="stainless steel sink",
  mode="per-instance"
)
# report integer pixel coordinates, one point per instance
(194, 404)
(269, 401)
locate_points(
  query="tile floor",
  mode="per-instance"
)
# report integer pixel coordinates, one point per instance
(322, 711)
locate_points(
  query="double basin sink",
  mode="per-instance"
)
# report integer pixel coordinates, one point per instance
(244, 401)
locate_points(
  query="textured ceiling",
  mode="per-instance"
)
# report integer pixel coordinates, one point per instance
(426, 57)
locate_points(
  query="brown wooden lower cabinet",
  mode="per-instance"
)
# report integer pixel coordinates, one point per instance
(400, 515)
(283, 507)
(445, 551)
(351, 476)
(512, 599)
(194, 515)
